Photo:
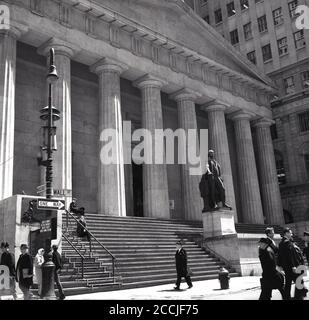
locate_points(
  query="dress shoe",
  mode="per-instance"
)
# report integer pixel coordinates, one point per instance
(190, 286)
(176, 288)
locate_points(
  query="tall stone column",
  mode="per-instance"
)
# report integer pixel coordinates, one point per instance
(8, 39)
(111, 183)
(191, 198)
(248, 179)
(61, 99)
(290, 148)
(219, 143)
(155, 186)
(270, 190)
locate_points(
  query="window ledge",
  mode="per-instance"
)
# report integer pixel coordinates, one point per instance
(267, 61)
(244, 10)
(300, 48)
(279, 24)
(250, 38)
(284, 54)
(218, 23)
(263, 32)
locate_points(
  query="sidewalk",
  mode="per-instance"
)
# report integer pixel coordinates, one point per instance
(241, 288)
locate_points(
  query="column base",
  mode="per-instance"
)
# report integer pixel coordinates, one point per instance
(218, 223)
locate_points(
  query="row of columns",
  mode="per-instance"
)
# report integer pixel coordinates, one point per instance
(111, 186)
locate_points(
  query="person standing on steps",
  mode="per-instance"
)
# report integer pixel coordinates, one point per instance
(75, 209)
(181, 266)
(58, 266)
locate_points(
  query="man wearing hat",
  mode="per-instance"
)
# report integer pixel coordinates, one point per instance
(289, 258)
(74, 208)
(271, 277)
(306, 249)
(7, 259)
(24, 271)
(181, 266)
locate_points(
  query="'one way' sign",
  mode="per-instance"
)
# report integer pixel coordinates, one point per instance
(48, 204)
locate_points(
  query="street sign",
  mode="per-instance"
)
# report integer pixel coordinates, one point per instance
(63, 192)
(49, 204)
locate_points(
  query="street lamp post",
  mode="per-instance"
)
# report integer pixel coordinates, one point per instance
(50, 114)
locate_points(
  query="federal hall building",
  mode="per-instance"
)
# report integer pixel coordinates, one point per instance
(155, 63)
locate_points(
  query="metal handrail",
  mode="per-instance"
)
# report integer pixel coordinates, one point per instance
(91, 234)
(76, 250)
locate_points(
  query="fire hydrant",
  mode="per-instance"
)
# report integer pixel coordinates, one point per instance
(224, 278)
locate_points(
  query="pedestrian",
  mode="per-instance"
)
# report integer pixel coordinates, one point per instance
(24, 271)
(306, 248)
(81, 229)
(270, 234)
(75, 209)
(271, 277)
(38, 262)
(58, 266)
(181, 266)
(7, 259)
(289, 258)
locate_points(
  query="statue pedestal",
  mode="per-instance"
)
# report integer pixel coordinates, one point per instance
(218, 223)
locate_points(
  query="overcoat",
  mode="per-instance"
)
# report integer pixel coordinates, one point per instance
(24, 262)
(181, 262)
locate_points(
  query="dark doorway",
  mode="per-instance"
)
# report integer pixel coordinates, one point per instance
(137, 171)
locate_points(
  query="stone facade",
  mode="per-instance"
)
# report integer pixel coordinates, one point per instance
(288, 67)
(118, 63)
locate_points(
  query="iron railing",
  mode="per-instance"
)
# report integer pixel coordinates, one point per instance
(76, 250)
(69, 214)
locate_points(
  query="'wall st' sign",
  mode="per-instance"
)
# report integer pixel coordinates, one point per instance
(48, 204)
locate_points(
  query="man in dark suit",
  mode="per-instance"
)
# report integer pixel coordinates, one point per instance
(24, 271)
(289, 258)
(75, 209)
(7, 259)
(181, 266)
(58, 266)
(306, 249)
(271, 277)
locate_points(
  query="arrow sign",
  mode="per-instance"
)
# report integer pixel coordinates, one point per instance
(48, 204)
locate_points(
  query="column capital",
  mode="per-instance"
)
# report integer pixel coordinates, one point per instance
(149, 81)
(263, 123)
(108, 65)
(185, 94)
(61, 47)
(214, 106)
(241, 115)
(15, 30)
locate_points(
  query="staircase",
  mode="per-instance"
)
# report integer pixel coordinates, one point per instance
(144, 249)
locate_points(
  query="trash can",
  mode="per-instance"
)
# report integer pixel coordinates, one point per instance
(224, 279)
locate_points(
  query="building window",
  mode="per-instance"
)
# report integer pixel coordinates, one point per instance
(273, 131)
(278, 17)
(257, 1)
(266, 52)
(248, 31)
(252, 57)
(234, 37)
(262, 23)
(282, 46)
(292, 8)
(299, 39)
(304, 121)
(289, 85)
(305, 79)
(230, 9)
(203, 2)
(206, 18)
(280, 168)
(218, 16)
(244, 4)
(306, 158)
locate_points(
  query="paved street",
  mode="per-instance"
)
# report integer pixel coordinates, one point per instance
(241, 288)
